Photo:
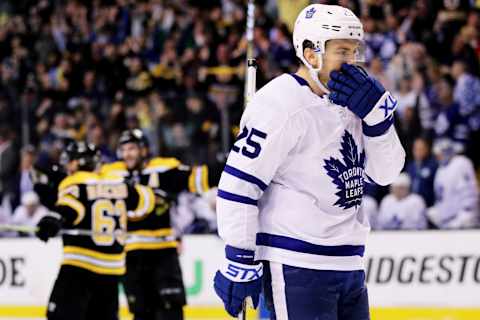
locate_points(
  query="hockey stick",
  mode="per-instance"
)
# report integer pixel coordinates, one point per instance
(250, 78)
(70, 232)
(250, 88)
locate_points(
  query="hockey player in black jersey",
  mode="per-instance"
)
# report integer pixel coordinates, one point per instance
(96, 205)
(153, 281)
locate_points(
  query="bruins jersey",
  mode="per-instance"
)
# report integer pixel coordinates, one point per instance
(167, 177)
(99, 204)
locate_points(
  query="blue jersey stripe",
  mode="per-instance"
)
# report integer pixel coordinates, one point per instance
(299, 79)
(245, 176)
(287, 243)
(378, 129)
(236, 197)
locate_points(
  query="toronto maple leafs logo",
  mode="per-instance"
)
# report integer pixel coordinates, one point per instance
(309, 14)
(347, 175)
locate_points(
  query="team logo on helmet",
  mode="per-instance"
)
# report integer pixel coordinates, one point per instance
(347, 175)
(309, 14)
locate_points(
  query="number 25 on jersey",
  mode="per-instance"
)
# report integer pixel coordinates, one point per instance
(248, 142)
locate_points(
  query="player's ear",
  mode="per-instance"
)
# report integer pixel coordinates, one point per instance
(310, 56)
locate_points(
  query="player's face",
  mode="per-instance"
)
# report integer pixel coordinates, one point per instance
(132, 155)
(71, 167)
(420, 150)
(337, 51)
(400, 192)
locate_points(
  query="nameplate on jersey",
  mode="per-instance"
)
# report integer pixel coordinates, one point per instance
(117, 191)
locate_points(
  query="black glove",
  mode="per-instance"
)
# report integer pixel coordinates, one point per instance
(45, 184)
(48, 227)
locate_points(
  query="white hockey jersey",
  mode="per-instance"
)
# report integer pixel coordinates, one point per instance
(370, 209)
(408, 213)
(293, 183)
(456, 195)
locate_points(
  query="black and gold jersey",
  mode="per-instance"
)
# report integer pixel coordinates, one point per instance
(100, 204)
(167, 177)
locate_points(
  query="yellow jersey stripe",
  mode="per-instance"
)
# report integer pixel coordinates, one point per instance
(93, 268)
(205, 185)
(162, 163)
(94, 254)
(76, 205)
(191, 181)
(80, 177)
(152, 233)
(150, 246)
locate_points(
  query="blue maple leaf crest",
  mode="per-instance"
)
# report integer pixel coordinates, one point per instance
(347, 175)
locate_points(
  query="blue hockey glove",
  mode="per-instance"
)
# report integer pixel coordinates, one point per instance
(239, 279)
(366, 97)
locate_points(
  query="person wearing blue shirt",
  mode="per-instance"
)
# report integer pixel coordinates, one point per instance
(422, 170)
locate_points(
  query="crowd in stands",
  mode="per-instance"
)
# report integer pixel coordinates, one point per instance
(90, 69)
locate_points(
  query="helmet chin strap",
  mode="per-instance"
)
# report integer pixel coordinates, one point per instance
(314, 72)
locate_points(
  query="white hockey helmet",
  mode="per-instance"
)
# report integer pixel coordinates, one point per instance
(319, 23)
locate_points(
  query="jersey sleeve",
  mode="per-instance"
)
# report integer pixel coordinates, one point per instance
(140, 202)
(385, 157)
(267, 135)
(69, 205)
(196, 179)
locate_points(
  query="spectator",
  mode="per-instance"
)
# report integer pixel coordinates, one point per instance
(450, 122)
(30, 211)
(24, 181)
(456, 188)
(177, 70)
(378, 43)
(401, 210)
(466, 89)
(422, 170)
(466, 95)
(8, 168)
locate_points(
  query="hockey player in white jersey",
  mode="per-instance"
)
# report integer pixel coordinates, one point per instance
(456, 188)
(402, 210)
(289, 197)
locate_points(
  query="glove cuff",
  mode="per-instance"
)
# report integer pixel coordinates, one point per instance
(378, 129)
(240, 255)
(382, 110)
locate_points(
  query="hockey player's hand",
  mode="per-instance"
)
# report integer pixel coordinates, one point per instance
(366, 97)
(239, 279)
(48, 227)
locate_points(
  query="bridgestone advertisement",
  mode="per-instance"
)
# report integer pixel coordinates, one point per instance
(432, 269)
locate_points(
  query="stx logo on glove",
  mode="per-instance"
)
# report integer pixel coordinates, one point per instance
(244, 273)
(388, 105)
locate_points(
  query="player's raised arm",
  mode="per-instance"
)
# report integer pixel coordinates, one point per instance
(366, 97)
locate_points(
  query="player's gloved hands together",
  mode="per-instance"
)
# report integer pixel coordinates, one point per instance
(48, 226)
(240, 278)
(366, 97)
